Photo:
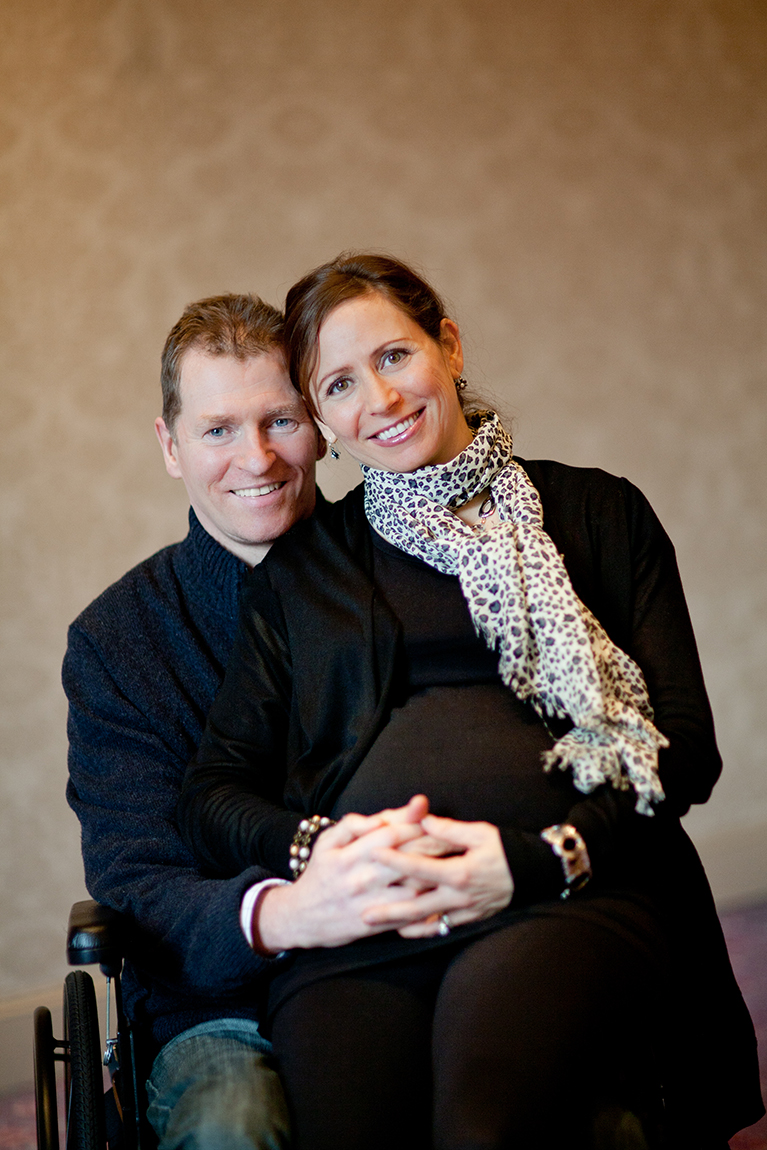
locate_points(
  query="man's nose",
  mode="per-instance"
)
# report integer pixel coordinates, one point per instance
(257, 454)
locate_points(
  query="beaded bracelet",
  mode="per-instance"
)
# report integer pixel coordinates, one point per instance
(303, 841)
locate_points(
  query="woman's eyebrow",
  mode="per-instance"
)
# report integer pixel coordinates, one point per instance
(373, 355)
(333, 371)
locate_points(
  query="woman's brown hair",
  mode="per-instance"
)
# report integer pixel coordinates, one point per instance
(352, 274)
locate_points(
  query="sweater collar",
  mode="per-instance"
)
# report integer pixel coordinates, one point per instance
(210, 572)
(213, 575)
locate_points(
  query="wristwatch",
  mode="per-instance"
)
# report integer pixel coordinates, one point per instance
(568, 845)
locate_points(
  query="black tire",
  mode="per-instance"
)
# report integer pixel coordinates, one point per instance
(46, 1109)
(84, 1077)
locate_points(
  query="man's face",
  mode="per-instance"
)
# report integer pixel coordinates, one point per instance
(245, 448)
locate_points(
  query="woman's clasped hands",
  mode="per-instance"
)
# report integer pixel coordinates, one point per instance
(400, 869)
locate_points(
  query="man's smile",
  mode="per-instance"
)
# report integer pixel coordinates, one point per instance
(255, 492)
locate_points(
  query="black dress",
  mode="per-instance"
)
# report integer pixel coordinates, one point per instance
(458, 735)
(340, 670)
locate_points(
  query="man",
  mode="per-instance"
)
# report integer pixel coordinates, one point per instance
(143, 664)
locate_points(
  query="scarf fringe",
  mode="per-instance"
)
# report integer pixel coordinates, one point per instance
(601, 754)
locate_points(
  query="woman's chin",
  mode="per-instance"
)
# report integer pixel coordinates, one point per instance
(409, 457)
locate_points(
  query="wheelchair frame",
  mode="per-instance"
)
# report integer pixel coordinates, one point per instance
(95, 934)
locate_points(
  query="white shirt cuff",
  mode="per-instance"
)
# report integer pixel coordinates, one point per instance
(249, 901)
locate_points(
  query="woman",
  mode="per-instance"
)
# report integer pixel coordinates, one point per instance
(505, 644)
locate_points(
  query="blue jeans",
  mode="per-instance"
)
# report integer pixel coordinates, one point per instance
(213, 1087)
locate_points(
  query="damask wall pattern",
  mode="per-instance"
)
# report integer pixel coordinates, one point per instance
(585, 180)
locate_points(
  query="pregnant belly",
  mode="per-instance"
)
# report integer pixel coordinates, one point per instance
(474, 751)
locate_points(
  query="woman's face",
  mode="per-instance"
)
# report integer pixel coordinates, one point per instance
(385, 389)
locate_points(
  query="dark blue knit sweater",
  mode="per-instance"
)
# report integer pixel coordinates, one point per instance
(143, 665)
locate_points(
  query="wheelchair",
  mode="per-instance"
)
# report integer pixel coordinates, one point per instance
(116, 1119)
(94, 1119)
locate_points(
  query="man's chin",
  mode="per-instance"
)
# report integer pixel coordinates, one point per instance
(267, 524)
(244, 522)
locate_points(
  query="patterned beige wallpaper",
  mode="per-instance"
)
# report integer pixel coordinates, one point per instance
(585, 180)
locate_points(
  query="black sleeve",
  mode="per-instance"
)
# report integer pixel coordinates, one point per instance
(662, 643)
(124, 783)
(231, 810)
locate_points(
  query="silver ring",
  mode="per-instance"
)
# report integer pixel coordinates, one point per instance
(444, 925)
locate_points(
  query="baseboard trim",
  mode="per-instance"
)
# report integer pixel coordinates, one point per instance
(736, 864)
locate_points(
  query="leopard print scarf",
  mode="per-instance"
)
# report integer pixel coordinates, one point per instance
(551, 649)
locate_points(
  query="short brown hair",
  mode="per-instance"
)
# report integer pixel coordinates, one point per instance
(352, 274)
(237, 325)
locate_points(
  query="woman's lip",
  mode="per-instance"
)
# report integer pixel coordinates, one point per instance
(401, 435)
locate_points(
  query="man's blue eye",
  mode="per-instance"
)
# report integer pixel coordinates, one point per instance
(216, 432)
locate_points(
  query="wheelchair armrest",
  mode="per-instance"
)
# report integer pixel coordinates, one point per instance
(95, 934)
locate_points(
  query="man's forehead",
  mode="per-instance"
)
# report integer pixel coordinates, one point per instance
(198, 360)
(215, 385)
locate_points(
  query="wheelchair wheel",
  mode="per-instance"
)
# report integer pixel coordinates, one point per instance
(46, 1110)
(83, 1077)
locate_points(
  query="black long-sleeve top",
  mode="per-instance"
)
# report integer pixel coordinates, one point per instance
(314, 677)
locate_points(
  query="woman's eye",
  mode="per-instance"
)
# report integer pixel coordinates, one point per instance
(337, 386)
(392, 358)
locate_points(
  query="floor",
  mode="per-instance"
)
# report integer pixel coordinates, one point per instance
(746, 933)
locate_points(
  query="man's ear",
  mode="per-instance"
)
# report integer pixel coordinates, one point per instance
(168, 448)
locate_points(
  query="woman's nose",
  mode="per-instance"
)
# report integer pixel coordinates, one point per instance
(381, 395)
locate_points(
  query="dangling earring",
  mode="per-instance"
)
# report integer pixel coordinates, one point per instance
(460, 383)
(333, 453)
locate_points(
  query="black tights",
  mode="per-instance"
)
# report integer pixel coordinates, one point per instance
(510, 1042)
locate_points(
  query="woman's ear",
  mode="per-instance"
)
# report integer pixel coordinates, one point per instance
(327, 435)
(450, 338)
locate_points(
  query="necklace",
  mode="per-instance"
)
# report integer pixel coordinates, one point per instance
(486, 511)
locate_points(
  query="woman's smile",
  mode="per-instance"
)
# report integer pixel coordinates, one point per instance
(390, 433)
(385, 390)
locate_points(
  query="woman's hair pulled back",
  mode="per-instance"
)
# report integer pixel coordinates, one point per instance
(352, 274)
